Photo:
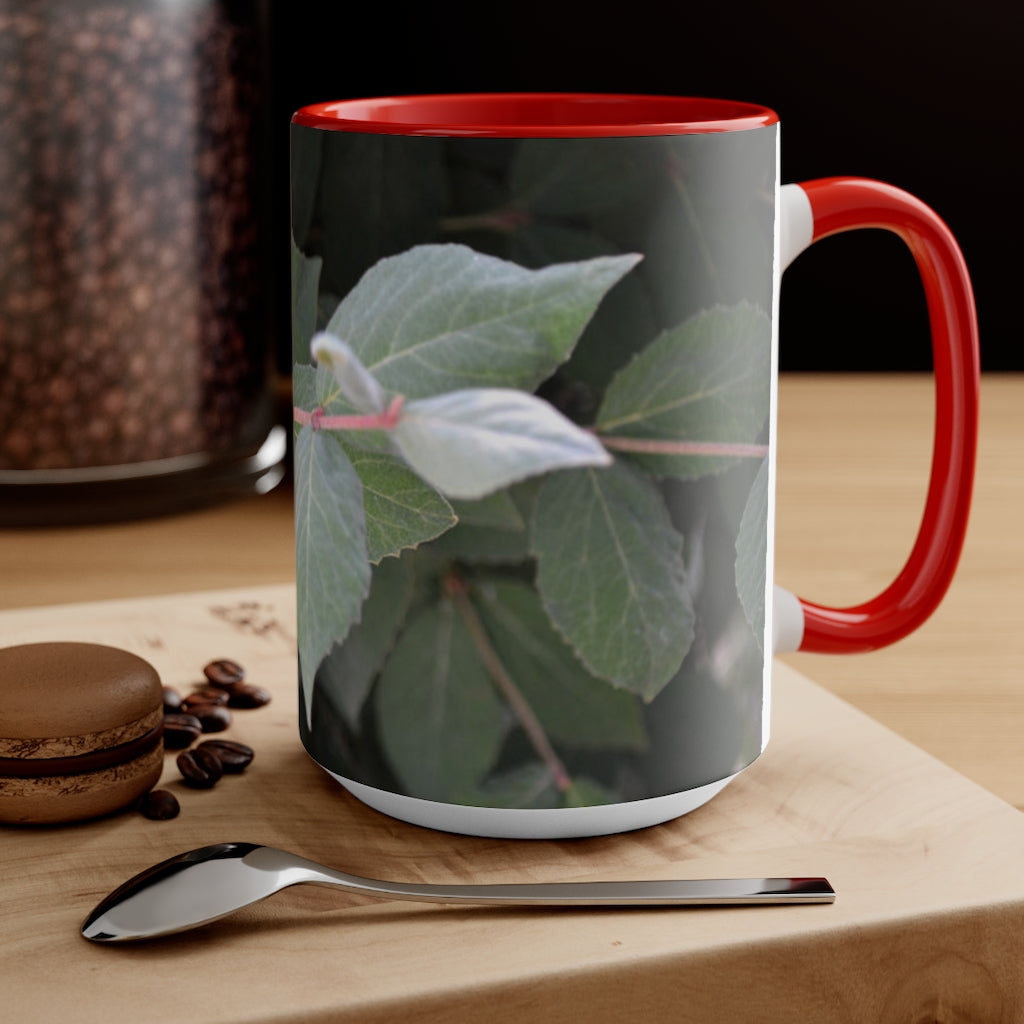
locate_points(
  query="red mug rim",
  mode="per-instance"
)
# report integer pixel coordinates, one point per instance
(536, 115)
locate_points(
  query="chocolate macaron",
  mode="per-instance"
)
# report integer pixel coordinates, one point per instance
(80, 731)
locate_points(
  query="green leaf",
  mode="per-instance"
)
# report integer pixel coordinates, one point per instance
(469, 443)
(586, 792)
(530, 786)
(401, 510)
(347, 673)
(305, 283)
(490, 530)
(488, 545)
(330, 550)
(440, 721)
(707, 380)
(442, 317)
(611, 574)
(752, 554)
(573, 706)
(497, 509)
(527, 786)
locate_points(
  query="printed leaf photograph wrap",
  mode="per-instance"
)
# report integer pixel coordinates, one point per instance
(528, 786)
(346, 674)
(332, 569)
(752, 554)
(354, 381)
(574, 707)
(497, 510)
(582, 179)
(304, 388)
(376, 195)
(706, 380)
(400, 510)
(586, 792)
(439, 718)
(440, 319)
(611, 574)
(490, 531)
(314, 387)
(473, 442)
(305, 290)
(444, 317)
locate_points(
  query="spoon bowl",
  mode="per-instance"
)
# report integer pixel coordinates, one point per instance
(200, 886)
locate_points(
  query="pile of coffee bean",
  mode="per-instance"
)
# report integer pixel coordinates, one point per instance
(133, 303)
(208, 709)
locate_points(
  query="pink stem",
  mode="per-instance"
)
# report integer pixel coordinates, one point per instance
(386, 420)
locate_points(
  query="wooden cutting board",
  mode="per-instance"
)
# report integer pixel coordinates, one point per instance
(928, 868)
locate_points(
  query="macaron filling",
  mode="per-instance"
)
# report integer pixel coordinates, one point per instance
(79, 764)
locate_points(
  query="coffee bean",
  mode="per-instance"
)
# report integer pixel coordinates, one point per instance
(245, 695)
(181, 730)
(212, 717)
(224, 673)
(172, 700)
(159, 805)
(209, 696)
(201, 769)
(234, 757)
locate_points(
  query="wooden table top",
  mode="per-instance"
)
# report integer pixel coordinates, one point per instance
(926, 867)
(852, 471)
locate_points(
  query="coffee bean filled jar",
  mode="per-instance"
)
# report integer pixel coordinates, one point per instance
(135, 356)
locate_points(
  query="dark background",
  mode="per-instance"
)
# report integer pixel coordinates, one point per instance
(919, 95)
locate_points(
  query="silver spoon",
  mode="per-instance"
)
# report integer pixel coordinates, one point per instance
(202, 885)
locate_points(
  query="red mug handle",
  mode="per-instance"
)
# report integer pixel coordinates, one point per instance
(816, 209)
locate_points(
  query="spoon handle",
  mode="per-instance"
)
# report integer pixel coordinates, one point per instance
(664, 892)
(692, 892)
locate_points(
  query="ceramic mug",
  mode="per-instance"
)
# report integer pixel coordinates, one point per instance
(535, 342)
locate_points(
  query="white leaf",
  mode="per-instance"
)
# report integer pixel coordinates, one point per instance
(356, 382)
(471, 442)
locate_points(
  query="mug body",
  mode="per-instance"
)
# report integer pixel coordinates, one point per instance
(545, 616)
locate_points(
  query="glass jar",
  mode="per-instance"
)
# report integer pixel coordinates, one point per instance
(135, 349)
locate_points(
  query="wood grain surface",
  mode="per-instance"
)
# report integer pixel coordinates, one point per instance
(926, 864)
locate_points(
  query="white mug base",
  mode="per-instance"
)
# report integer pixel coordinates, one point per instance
(546, 823)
